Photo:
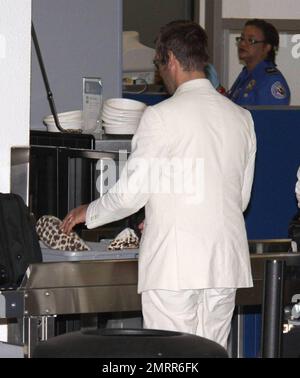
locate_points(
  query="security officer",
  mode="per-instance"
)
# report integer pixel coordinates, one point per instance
(260, 82)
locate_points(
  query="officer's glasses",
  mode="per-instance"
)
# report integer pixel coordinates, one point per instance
(248, 41)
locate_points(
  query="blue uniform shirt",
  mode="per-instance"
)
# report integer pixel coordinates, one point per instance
(264, 85)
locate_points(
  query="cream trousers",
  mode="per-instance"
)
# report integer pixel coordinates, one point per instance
(203, 312)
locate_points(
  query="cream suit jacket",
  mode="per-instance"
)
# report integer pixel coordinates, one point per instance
(194, 237)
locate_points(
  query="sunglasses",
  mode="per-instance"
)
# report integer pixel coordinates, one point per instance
(248, 41)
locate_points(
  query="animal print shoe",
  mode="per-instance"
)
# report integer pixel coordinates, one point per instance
(47, 228)
(125, 239)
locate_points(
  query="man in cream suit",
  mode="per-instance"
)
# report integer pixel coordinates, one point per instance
(191, 166)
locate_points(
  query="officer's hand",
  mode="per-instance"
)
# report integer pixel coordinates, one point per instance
(297, 189)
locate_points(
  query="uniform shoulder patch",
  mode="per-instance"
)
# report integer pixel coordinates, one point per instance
(278, 90)
(271, 70)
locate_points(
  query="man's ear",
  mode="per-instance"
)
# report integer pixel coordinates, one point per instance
(173, 62)
(172, 58)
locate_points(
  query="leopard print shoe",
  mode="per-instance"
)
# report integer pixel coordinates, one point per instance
(47, 228)
(124, 240)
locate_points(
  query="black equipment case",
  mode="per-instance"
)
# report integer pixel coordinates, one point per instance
(19, 245)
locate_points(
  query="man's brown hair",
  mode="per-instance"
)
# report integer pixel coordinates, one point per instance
(187, 41)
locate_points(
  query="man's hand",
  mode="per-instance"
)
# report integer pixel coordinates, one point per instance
(74, 217)
(141, 227)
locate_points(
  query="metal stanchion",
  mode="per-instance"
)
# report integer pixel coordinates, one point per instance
(272, 308)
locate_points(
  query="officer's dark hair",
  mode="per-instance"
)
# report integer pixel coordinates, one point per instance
(271, 36)
(187, 41)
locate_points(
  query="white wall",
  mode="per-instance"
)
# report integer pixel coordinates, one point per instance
(202, 13)
(15, 24)
(272, 9)
(77, 38)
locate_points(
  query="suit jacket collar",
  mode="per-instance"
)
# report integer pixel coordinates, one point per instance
(193, 84)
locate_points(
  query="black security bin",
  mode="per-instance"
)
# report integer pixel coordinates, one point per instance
(128, 343)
